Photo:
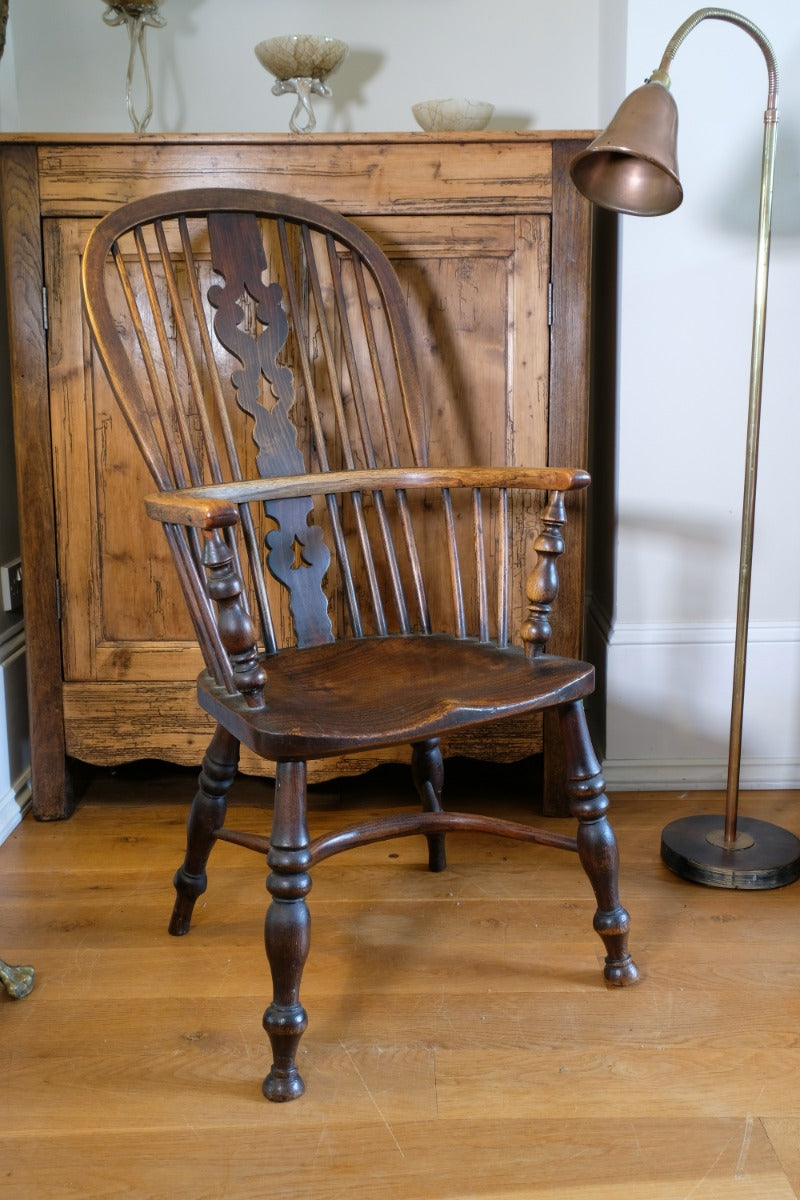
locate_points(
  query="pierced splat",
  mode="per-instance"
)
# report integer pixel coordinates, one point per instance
(237, 254)
(300, 559)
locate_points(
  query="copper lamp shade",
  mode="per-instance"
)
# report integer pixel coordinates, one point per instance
(632, 166)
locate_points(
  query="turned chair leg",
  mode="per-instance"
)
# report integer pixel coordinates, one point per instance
(287, 929)
(206, 816)
(597, 845)
(428, 771)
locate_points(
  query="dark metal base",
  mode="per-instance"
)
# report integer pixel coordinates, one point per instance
(765, 856)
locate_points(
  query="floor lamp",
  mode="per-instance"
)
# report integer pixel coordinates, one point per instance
(632, 168)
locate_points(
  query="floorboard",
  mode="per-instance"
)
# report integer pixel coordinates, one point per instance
(461, 1046)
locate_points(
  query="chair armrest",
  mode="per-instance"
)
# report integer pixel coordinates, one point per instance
(213, 506)
(214, 509)
(181, 507)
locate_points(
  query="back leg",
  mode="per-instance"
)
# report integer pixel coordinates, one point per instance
(428, 771)
(206, 816)
(597, 845)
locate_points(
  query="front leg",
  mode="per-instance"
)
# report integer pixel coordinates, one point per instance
(597, 845)
(287, 930)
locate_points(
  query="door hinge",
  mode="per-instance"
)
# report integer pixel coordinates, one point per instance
(45, 313)
(550, 302)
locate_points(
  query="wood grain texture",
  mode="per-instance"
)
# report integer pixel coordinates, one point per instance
(572, 249)
(470, 223)
(164, 717)
(461, 1042)
(357, 174)
(22, 253)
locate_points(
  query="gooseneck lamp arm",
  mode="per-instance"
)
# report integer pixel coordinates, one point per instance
(631, 167)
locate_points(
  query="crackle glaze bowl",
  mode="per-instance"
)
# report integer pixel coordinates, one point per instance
(301, 55)
(436, 116)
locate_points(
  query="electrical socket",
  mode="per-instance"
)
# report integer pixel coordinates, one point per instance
(11, 585)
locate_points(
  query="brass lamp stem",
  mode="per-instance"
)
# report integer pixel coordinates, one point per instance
(751, 469)
(754, 400)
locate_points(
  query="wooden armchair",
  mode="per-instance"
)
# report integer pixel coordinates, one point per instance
(345, 597)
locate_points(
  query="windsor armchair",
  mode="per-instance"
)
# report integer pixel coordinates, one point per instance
(345, 595)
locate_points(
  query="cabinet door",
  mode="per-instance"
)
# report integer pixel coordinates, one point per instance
(477, 294)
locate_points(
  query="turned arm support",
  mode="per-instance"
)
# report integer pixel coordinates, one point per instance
(542, 584)
(223, 584)
(236, 629)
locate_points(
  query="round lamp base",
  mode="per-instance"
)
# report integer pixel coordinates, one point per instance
(764, 855)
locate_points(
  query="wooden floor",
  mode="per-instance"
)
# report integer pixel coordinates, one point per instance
(462, 1044)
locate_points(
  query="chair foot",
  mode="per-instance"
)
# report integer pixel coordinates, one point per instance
(285, 1027)
(620, 969)
(428, 771)
(437, 853)
(206, 816)
(597, 848)
(597, 845)
(280, 1089)
(598, 854)
(188, 888)
(621, 974)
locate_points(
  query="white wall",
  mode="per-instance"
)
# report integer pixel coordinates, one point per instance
(535, 60)
(686, 294)
(685, 333)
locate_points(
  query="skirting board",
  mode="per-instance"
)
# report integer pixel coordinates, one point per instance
(13, 806)
(668, 705)
(15, 774)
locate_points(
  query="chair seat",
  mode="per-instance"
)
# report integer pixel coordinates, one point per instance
(380, 691)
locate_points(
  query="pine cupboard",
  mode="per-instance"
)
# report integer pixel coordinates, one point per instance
(494, 248)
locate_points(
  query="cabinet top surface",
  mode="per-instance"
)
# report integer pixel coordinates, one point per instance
(86, 175)
(235, 139)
